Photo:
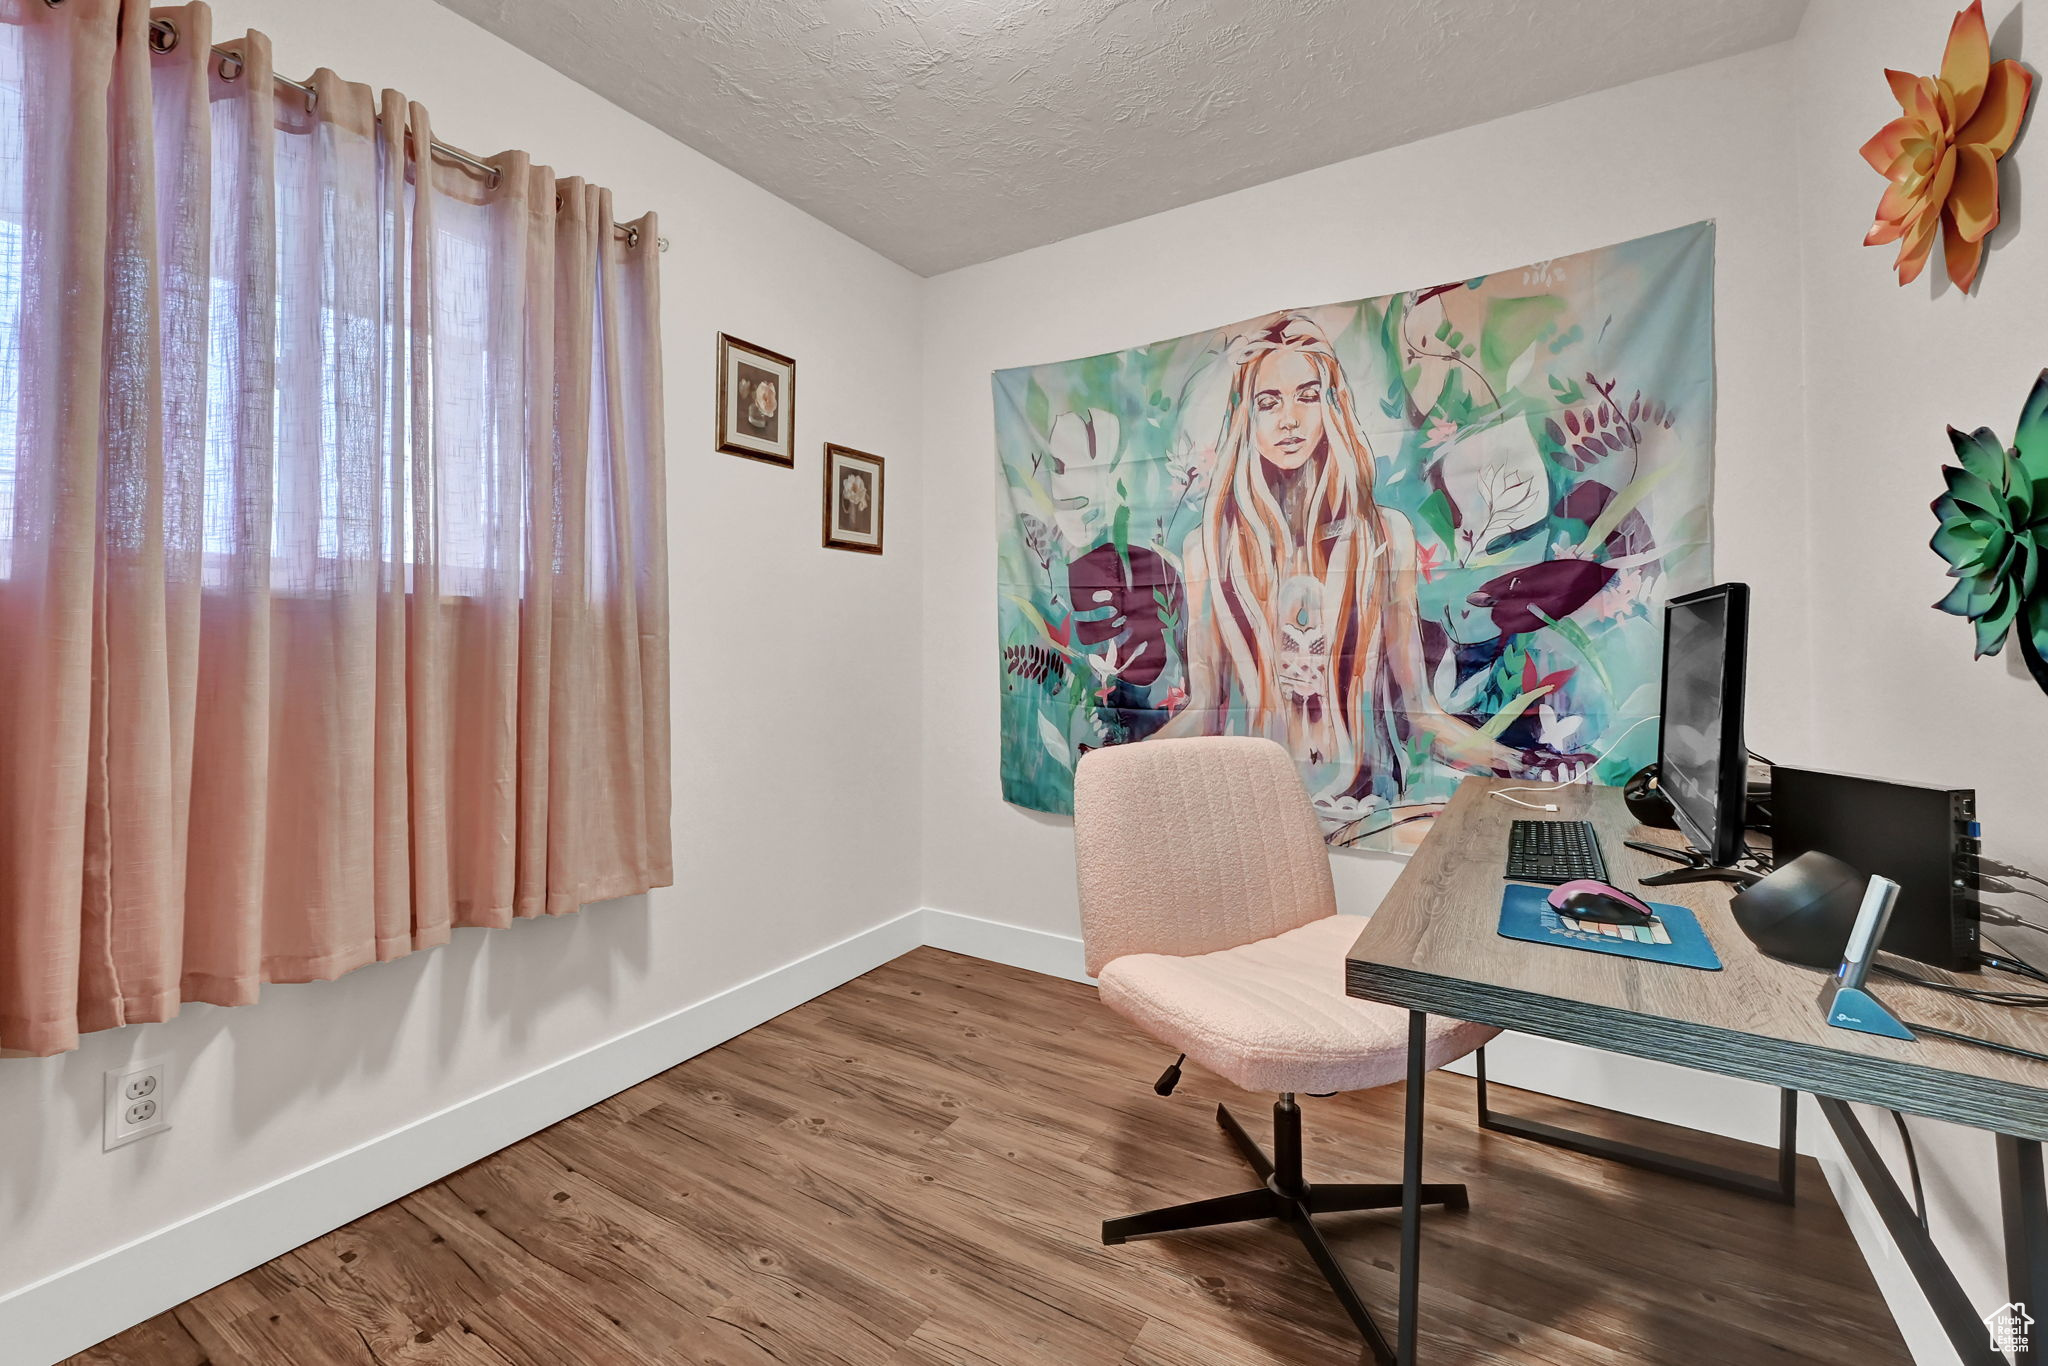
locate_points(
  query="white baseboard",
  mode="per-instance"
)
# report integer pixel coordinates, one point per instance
(79, 1306)
(1041, 951)
(1636, 1086)
(1926, 1340)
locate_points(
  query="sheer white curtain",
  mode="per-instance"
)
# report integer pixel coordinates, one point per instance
(332, 556)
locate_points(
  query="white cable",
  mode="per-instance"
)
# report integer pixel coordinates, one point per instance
(1585, 774)
(1553, 787)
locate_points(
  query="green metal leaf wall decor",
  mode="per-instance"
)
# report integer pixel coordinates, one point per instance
(1994, 534)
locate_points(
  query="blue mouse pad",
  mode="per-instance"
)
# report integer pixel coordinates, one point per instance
(1525, 913)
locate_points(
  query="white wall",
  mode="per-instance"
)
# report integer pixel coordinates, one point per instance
(1834, 388)
(807, 805)
(1887, 368)
(796, 777)
(1710, 142)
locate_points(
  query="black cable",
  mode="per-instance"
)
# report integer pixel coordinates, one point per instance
(2014, 1050)
(2005, 960)
(2000, 948)
(1998, 915)
(2009, 870)
(1996, 998)
(1912, 1168)
(1984, 882)
(2028, 964)
(1381, 829)
(2016, 967)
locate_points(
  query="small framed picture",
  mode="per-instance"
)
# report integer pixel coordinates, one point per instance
(853, 500)
(756, 402)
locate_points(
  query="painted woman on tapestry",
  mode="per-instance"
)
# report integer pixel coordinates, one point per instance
(1303, 624)
(1409, 538)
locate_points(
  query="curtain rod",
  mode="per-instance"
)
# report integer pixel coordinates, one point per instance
(163, 36)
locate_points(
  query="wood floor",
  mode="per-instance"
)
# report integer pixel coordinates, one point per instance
(912, 1169)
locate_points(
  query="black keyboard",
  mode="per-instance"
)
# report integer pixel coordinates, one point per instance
(1554, 851)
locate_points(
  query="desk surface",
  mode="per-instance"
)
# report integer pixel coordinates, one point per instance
(1432, 946)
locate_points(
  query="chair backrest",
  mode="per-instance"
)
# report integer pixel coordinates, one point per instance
(1189, 846)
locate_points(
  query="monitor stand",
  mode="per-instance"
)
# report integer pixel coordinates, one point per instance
(1698, 868)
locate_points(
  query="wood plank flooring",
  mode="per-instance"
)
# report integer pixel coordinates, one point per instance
(912, 1170)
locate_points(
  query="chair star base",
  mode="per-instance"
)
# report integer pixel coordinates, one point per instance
(1287, 1196)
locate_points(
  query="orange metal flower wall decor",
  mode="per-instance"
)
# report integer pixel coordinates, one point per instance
(1941, 153)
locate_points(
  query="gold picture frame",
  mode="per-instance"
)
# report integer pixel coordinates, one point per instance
(756, 402)
(853, 500)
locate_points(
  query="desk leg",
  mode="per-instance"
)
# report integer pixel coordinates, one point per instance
(1960, 1318)
(2025, 1198)
(1411, 1185)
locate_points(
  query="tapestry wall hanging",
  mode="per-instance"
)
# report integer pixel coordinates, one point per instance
(1409, 538)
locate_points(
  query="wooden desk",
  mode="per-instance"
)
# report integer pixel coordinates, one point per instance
(1432, 947)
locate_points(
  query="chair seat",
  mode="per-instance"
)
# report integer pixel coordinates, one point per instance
(1272, 1015)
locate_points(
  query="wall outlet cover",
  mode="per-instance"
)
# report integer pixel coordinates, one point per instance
(137, 1102)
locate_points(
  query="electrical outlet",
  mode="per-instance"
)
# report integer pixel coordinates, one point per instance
(138, 1102)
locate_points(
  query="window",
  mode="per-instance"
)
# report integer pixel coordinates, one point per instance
(332, 548)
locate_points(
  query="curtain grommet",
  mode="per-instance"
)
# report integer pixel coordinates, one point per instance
(231, 66)
(163, 35)
(632, 238)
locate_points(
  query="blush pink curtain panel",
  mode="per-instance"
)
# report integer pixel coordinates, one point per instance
(333, 604)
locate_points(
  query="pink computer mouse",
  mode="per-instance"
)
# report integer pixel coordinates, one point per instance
(1600, 902)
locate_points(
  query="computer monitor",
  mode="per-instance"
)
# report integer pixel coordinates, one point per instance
(1702, 759)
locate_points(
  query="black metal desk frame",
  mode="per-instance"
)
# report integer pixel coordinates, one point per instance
(2023, 1196)
(1783, 1188)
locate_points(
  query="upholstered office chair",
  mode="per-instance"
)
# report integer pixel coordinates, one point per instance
(1210, 920)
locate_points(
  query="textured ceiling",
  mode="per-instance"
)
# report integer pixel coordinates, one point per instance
(945, 132)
